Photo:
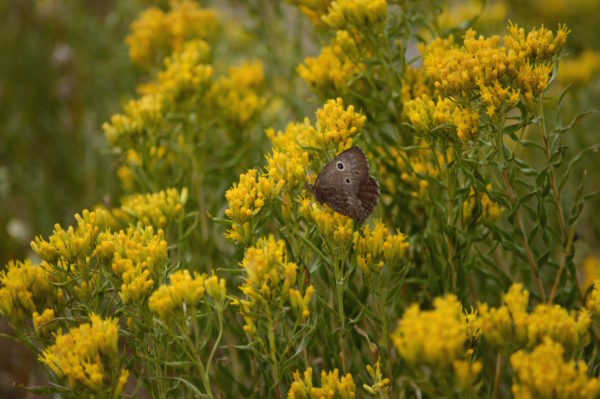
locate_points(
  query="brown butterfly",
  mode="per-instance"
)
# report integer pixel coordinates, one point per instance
(346, 186)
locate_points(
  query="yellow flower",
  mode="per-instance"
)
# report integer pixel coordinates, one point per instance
(85, 355)
(313, 9)
(544, 373)
(236, 96)
(136, 256)
(332, 386)
(435, 338)
(331, 72)
(590, 269)
(511, 323)
(140, 115)
(22, 285)
(336, 228)
(300, 304)
(184, 71)
(155, 33)
(215, 288)
(581, 69)
(183, 290)
(337, 127)
(374, 249)
(156, 209)
(380, 384)
(41, 321)
(593, 301)
(359, 14)
(466, 373)
(490, 210)
(247, 197)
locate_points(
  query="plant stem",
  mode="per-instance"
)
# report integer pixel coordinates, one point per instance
(497, 375)
(339, 286)
(528, 251)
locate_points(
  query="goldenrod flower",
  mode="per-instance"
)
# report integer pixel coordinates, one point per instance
(182, 289)
(544, 373)
(334, 227)
(331, 72)
(374, 249)
(434, 337)
(490, 210)
(332, 386)
(41, 321)
(155, 33)
(22, 285)
(313, 9)
(156, 209)
(511, 323)
(215, 288)
(236, 96)
(359, 14)
(136, 256)
(86, 355)
(581, 69)
(380, 384)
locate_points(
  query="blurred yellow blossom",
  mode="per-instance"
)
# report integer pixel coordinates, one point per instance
(378, 247)
(590, 268)
(436, 337)
(336, 228)
(136, 255)
(487, 13)
(332, 71)
(41, 321)
(155, 209)
(139, 115)
(184, 71)
(487, 208)
(313, 9)
(332, 386)
(511, 324)
(593, 300)
(183, 290)
(86, 355)
(237, 95)
(22, 285)
(581, 69)
(337, 127)
(155, 34)
(380, 385)
(544, 373)
(300, 303)
(215, 288)
(359, 14)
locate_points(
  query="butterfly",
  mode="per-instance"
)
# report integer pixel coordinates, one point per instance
(346, 185)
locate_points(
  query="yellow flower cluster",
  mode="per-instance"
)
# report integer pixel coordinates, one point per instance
(183, 290)
(425, 115)
(380, 384)
(216, 288)
(374, 249)
(332, 386)
(236, 95)
(334, 227)
(511, 323)
(22, 286)
(246, 199)
(333, 70)
(490, 210)
(156, 209)
(270, 278)
(337, 127)
(457, 13)
(313, 9)
(579, 70)
(590, 268)
(544, 373)
(70, 249)
(358, 14)
(86, 356)
(593, 300)
(41, 321)
(156, 34)
(184, 71)
(136, 257)
(497, 74)
(139, 115)
(434, 338)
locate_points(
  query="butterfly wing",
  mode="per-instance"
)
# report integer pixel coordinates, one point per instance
(346, 186)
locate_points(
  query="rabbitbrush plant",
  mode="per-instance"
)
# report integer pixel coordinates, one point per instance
(219, 275)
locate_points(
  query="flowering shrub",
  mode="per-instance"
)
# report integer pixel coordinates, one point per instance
(219, 274)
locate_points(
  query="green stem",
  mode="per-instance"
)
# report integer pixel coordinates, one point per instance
(339, 286)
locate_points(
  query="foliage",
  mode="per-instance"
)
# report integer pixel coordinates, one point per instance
(220, 276)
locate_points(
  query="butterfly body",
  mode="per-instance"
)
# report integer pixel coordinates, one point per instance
(346, 186)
